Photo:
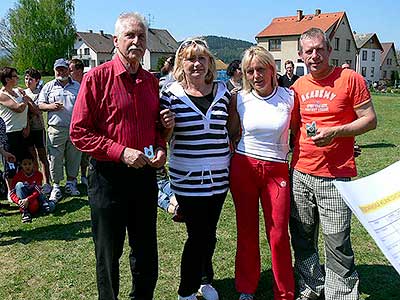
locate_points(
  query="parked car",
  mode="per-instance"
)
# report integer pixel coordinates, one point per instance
(300, 69)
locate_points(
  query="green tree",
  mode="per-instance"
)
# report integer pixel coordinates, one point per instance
(41, 31)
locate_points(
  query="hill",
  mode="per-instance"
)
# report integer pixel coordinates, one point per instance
(225, 48)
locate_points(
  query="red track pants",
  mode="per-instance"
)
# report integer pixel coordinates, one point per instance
(251, 180)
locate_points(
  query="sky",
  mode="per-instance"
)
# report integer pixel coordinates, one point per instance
(232, 18)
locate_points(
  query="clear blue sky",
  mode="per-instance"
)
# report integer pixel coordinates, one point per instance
(234, 18)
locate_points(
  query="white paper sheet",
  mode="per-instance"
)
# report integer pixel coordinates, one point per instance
(375, 201)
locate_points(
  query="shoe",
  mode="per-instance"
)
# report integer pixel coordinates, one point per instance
(52, 206)
(46, 188)
(71, 189)
(244, 296)
(178, 217)
(55, 194)
(191, 297)
(48, 206)
(84, 181)
(9, 197)
(26, 217)
(208, 292)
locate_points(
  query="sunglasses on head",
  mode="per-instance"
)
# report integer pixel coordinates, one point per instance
(187, 43)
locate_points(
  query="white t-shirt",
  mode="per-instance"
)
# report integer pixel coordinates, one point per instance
(14, 121)
(265, 124)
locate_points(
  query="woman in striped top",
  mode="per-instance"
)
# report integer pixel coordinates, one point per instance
(199, 160)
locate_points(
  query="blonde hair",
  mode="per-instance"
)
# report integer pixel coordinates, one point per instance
(189, 48)
(265, 58)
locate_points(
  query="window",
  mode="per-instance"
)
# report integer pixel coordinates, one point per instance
(336, 44)
(364, 55)
(278, 65)
(335, 62)
(389, 61)
(74, 52)
(372, 71)
(85, 62)
(348, 61)
(384, 74)
(274, 45)
(364, 71)
(348, 43)
(373, 56)
(86, 51)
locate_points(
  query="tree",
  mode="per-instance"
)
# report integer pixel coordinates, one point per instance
(5, 37)
(41, 32)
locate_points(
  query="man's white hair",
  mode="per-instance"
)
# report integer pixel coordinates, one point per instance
(124, 17)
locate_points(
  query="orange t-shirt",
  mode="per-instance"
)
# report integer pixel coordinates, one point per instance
(329, 102)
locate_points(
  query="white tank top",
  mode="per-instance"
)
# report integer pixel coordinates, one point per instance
(265, 124)
(14, 121)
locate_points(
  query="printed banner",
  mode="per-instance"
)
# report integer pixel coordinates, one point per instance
(375, 200)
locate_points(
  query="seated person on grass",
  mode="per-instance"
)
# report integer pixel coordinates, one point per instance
(26, 191)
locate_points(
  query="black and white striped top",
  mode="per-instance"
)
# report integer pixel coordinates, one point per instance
(199, 147)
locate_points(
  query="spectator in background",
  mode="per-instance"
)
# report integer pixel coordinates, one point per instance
(260, 115)
(234, 83)
(6, 156)
(166, 73)
(14, 112)
(58, 98)
(289, 77)
(36, 138)
(76, 69)
(26, 191)
(333, 105)
(115, 122)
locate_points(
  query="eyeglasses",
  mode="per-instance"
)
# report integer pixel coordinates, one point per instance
(187, 43)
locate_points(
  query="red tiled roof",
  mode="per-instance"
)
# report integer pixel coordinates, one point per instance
(284, 26)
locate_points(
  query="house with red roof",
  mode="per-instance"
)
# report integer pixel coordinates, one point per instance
(281, 37)
(389, 62)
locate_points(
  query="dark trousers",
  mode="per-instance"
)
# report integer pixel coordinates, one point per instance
(201, 217)
(124, 199)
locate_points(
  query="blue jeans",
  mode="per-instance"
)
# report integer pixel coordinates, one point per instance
(164, 193)
(24, 190)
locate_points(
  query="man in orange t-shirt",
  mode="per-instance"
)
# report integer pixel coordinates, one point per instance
(333, 105)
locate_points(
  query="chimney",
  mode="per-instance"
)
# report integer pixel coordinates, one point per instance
(102, 32)
(299, 15)
(90, 31)
(317, 12)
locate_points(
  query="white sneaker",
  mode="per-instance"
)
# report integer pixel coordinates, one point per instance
(191, 297)
(84, 180)
(71, 189)
(208, 292)
(9, 197)
(55, 194)
(244, 296)
(46, 188)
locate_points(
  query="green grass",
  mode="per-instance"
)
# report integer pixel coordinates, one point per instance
(53, 257)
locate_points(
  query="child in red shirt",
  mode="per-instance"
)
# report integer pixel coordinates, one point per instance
(26, 191)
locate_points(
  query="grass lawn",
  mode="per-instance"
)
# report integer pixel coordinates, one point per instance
(53, 258)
